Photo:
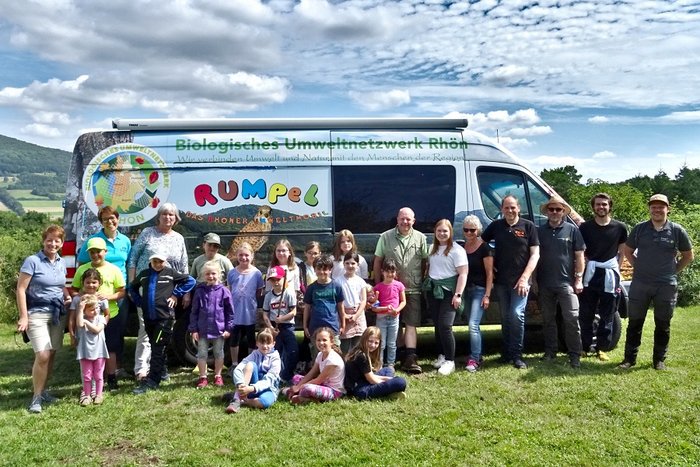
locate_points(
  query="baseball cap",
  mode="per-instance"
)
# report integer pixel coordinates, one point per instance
(276, 272)
(212, 238)
(158, 255)
(96, 243)
(659, 198)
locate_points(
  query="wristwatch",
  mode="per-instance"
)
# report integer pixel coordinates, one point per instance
(458, 295)
(578, 274)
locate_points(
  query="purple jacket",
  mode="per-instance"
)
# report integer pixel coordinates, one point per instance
(212, 310)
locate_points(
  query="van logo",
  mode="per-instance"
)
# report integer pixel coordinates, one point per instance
(130, 178)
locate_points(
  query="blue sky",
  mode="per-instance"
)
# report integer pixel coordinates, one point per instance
(610, 86)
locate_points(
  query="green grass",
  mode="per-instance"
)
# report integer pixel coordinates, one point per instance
(546, 415)
(36, 203)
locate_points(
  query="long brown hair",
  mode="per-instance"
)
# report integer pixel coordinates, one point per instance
(337, 252)
(436, 242)
(374, 358)
(330, 333)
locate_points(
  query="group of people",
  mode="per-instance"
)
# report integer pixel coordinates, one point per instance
(568, 262)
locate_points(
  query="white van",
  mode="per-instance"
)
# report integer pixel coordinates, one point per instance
(300, 179)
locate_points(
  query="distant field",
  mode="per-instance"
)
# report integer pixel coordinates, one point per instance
(36, 203)
(21, 195)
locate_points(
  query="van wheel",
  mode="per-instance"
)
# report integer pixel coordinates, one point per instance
(184, 347)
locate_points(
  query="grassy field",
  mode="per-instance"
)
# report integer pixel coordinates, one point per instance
(546, 415)
(36, 203)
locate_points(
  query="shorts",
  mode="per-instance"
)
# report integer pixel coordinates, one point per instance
(241, 332)
(411, 313)
(217, 348)
(42, 334)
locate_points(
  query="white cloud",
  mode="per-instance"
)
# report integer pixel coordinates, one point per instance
(41, 130)
(604, 155)
(598, 119)
(381, 100)
(529, 131)
(682, 117)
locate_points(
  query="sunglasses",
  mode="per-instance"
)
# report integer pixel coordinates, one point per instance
(555, 209)
(469, 230)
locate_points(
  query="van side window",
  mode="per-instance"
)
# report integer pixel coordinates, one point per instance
(367, 198)
(537, 198)
(495, 184)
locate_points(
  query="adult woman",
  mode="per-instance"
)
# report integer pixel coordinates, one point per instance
(344, 244)
(479, 285)
(118, 249)
(159, 239)
(41, 301)
(447, 277)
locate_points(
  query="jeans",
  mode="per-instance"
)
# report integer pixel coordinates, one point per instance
(640, 297)
(286, 344)
(385, 388)
(159, 334)
(568, 302)
(474, 296)
(596, 300)
(512, 321)
(389, 325)
(443, 317)
(267, 397)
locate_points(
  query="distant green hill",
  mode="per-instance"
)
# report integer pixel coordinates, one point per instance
(35, 166)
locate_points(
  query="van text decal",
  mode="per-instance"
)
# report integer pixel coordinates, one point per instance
(228, 190)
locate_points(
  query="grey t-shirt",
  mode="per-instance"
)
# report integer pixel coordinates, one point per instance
(657, 252)
(557, 246)
(92, 346)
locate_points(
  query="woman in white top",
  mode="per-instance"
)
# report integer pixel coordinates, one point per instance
(344, 244)
(447, 277)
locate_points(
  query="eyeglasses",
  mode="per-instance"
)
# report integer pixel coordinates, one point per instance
(555, 209)
(110, 218)
(469, 230)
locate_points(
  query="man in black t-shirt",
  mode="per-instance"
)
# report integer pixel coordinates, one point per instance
(516, 254)
(604, 238)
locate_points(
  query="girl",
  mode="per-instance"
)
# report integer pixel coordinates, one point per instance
(312, 250)
(246, 283)
(392, 299)
(361, 363)
(447, 277)
(257, 377)
(211, 319)
(284, 256)
(92, 348)
(89, 284)
(479, 285)
(344, 244)
(324, 382)
(355, 295)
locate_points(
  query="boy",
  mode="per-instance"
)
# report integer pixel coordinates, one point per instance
(280, 308)
(156, 290)
(211, 246)
(323, 303)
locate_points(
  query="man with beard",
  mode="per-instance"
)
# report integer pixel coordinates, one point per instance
(604, 238)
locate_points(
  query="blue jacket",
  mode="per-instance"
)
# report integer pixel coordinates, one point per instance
(212, 310)
(151, 289)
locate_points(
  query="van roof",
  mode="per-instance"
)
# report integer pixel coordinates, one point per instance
(165, 124)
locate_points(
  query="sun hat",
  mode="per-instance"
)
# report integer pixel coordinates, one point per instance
(555, 200)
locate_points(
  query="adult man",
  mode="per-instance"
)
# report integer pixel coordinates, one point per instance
(409, 248)
(604, 238)
(656, 266)
(516, 255)
(561, 253)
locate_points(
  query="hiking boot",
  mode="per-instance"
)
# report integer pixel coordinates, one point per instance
(519, 364)
(218, 381)
(447, 368)
(548, 357)
(574, 361)
(602, 356)
(625, 365)
(35, 406)
(202, 382)
(660, 366)
(145, 386)
(472, 365)
(410, 365)
(439, 362)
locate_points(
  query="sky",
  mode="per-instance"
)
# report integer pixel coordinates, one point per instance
(609, 86)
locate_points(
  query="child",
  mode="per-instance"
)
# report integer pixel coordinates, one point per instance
(324, 382)
(361, 363)
(257, 377)
(284, 256)
(312, 250)
(344, 244)
(355, 293)
(279, 310)
(211, 320)
(156, 290)
(246, 283)
(89, 284)
(92, 348)
(392, 299)
(323, 303)
(211, 245)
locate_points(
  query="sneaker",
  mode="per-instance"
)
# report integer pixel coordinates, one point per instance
(165, 377)
(447, 368)
(602, 356)
(519, 364)
(99, 399)
(399, 396)
(145, 386)
(35, 406)
(660, 366)
(437, 364)
(575, 361)
(85, 401)
(218, 381)
(625, 365)
(548, 358)
(202, 382)
(472, 365)
(298, 400)
(48, 398)
(233, 407)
